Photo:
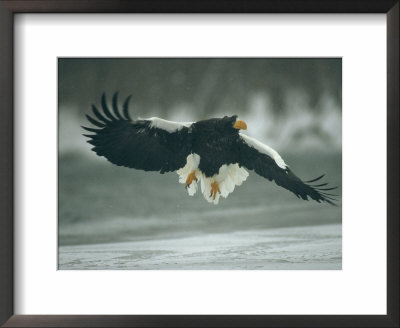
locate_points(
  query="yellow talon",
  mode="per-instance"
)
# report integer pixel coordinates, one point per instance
(214, 189)
(191, 177)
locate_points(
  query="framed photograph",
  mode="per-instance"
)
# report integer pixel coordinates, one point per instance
(210, 112)
(276, 137)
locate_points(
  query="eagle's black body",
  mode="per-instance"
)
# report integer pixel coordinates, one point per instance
(140, 145)
(216, 142)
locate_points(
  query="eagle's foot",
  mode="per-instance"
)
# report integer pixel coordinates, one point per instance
(214, 190)
(191, 177)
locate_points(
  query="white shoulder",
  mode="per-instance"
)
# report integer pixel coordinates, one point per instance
(166, 125)
(264, 149)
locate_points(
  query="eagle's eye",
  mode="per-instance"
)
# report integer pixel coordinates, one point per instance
(240, 125)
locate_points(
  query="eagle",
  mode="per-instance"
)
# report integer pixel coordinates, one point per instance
(212, 152)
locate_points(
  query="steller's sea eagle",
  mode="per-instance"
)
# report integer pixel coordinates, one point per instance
(211, 152)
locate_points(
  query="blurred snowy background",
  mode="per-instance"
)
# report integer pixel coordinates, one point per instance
(112, 217)
(289, 103)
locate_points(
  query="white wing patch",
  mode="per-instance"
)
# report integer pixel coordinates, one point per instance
(169, 126)
(227, 178)
(264, 149)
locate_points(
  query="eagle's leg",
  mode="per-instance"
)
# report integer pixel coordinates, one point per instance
(191, 177)
(214, 189)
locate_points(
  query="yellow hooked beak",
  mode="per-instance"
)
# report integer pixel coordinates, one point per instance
(240, 125)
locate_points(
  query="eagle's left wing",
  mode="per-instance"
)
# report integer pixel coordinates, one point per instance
(266, 162)
(146, 144)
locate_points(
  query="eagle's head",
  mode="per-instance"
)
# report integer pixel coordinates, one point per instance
(232, 124)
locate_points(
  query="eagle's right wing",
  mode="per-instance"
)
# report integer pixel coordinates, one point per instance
(266, 162)
(146, 144)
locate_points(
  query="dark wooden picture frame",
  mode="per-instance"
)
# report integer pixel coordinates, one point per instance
(10, 7)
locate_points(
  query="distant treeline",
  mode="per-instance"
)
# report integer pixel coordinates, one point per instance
(206, 84)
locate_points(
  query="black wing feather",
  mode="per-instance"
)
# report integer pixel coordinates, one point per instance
(99, 115)
(94, 122)
(136, 144)
(266, 167)
(90, 129)
(125, 108)
(115, 106)
(316, 179)
(105, 108)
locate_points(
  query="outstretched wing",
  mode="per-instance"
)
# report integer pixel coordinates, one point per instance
(266, 162)
(146, 144)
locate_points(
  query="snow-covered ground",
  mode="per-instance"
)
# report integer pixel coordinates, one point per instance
(299, 248)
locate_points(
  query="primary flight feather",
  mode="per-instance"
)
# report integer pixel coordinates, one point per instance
(212, 153)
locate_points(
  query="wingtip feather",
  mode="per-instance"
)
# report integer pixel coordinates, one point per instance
(94, 122)
(125, 108)
(115, 106)
(90, 129)
(99, 115)
(316, 179)
(105, 107)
